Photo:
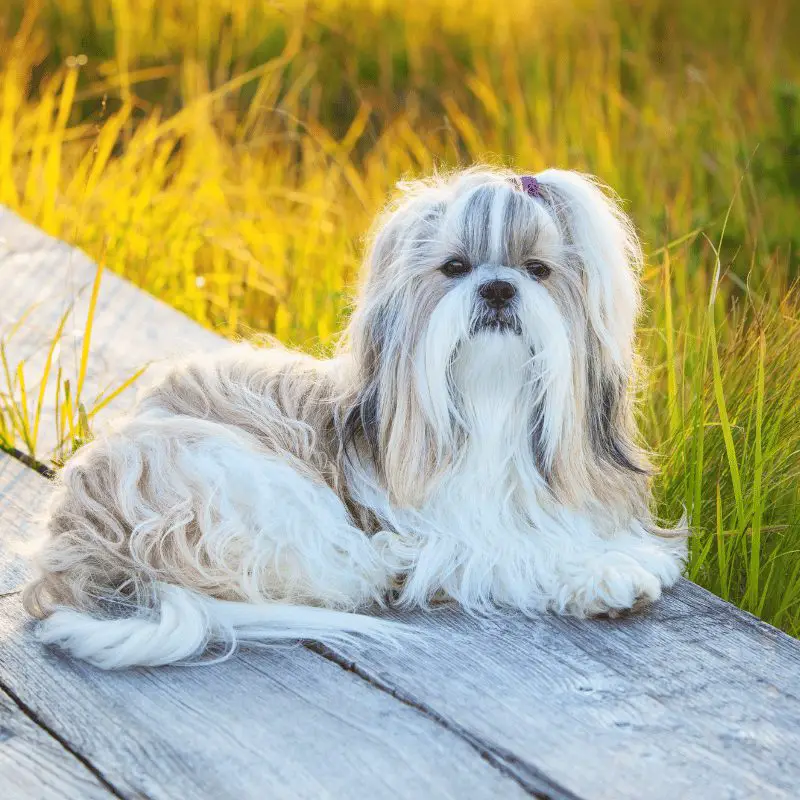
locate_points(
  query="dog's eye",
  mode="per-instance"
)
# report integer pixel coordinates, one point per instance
(455, 268)
(537, 269)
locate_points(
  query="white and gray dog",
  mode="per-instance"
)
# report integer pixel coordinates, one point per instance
(473, 440)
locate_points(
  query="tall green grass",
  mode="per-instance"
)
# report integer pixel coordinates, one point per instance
(228, 155)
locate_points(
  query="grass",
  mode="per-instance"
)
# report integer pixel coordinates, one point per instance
(228, 157)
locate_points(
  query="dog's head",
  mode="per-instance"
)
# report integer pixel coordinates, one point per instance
(482, 283)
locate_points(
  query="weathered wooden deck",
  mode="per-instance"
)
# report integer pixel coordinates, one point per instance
(693, 699)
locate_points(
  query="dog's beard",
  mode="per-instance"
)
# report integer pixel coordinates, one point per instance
(477, 367)
(491, 377)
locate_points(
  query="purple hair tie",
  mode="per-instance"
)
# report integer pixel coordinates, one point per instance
(531, 186)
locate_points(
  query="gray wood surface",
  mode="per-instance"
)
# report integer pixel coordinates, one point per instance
(693, 699)
(35, 765)
(41, 278)
(19, 496)
(278, 723)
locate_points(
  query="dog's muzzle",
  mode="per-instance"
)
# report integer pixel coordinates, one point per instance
(495, 308)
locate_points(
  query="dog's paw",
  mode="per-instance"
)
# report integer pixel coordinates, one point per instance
(608, 585)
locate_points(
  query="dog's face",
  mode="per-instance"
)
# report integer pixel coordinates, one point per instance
(480, 260)
(475, 288)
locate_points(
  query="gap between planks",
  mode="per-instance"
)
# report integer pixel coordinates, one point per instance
(41, 724)
(533, 780)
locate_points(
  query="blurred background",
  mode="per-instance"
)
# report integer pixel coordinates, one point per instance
(229, 156)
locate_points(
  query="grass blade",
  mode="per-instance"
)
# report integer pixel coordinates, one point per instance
(87, 334)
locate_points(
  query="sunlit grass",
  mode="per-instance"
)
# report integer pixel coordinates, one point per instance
(229, 156)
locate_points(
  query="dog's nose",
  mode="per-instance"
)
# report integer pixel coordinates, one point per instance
(498, 294)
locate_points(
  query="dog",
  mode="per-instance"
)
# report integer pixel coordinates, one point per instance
(472, 440)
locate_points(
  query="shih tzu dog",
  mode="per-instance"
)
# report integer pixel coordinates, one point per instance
(472, 440)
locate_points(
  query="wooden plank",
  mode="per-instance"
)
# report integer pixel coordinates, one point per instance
(692, 699)
(18, 497)
(35, 765)
(271, 723)
(41, 277)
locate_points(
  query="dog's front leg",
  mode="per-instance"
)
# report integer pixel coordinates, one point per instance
(565, 567)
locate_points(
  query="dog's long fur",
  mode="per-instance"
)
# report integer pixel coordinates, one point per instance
(448, 450)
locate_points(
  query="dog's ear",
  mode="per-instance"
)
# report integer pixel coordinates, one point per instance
(384, 419)
(361, 423)
(603, 245)
(602, 239)
(405, 225)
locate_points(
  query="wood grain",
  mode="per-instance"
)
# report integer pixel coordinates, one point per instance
(20, 498)
(34, 765)
(693, 699)
(277, 723)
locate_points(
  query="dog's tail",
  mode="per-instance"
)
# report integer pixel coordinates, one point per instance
(186, 624)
